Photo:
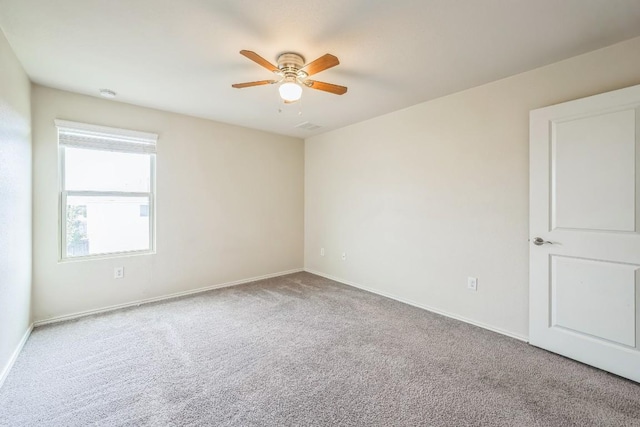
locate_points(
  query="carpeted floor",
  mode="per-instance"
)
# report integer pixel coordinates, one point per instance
(299, 350)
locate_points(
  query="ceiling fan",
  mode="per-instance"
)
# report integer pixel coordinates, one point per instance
(293, 74)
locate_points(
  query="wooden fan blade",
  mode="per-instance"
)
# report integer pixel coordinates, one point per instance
(259, 60)
(320, 64)
(249, 84)
(327, 87)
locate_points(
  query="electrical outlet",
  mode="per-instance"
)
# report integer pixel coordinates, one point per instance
(472, 283)
(344, 256)
(118, 272)
(321, 251)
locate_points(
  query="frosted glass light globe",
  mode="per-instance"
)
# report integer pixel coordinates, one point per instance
(290, 91)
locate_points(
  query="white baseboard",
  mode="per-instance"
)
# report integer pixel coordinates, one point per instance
(71, 316)
(422, 306)
(14, 355)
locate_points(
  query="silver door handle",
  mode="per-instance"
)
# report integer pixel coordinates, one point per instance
(539, 241)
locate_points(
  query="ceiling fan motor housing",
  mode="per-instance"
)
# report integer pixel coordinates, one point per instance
(290, 64)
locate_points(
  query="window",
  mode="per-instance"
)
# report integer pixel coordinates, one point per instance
(106, 190)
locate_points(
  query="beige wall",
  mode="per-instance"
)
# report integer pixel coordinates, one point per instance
(424, 197)
(229, 207)
(15, 204)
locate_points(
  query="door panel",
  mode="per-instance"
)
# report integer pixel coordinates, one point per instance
(593, 161)
(585, 179)
(595, 298)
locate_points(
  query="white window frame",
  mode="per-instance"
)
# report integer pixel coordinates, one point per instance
(102, 138)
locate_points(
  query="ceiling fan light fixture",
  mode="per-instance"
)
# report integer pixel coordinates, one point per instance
(294, 74)
(290, 91)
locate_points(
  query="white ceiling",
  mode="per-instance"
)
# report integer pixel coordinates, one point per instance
(182, 56)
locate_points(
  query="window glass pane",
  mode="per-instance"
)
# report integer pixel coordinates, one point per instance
(102, 225)
(95, 170)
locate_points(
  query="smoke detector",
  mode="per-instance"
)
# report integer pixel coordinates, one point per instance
(107, 93)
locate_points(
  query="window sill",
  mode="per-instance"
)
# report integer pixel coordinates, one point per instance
(106, 256)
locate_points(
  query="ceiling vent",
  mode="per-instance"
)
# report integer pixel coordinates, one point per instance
(308, 126)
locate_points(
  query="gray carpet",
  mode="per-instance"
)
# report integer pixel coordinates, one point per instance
(299, 350)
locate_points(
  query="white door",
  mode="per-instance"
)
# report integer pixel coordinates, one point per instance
(585, 230)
